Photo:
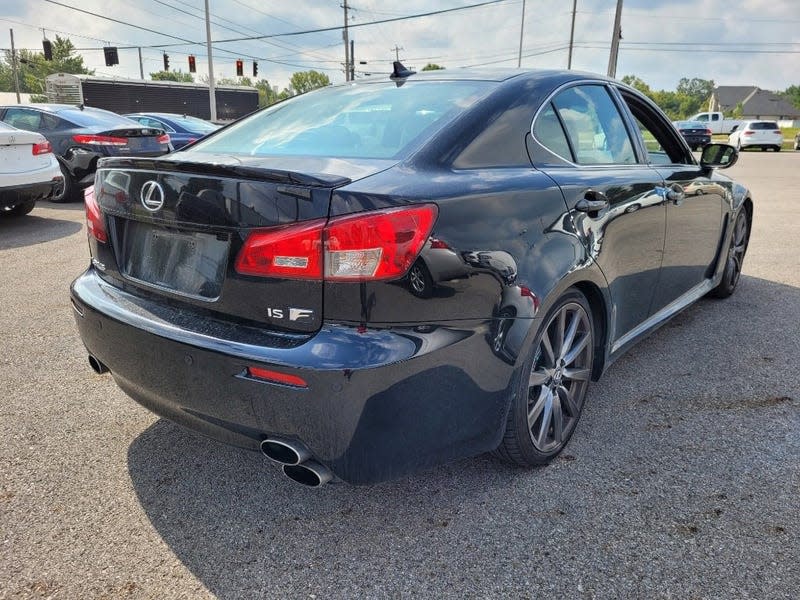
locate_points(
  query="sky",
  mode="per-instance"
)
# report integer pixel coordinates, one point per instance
(733, 42)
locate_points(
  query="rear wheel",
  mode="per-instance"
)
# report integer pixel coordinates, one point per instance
(551, 393)
(736, 251)
(20, 209)
(70, 191)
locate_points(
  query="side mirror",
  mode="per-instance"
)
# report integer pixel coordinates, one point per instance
(718, 156)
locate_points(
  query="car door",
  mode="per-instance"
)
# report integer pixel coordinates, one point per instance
(694, 201)
(614, 198)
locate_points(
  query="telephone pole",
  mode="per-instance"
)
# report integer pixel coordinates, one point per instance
(141, 66)
(521, 30)
(14, 66)
(212, 95)
(397, 52)
(572, 34)
(615, 38)
(346, 37)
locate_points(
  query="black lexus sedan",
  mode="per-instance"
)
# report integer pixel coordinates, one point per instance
(259, 288)
(81, 135)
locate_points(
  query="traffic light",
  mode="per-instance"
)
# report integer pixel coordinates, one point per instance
(111, 56)
(192, 65)
(239, 67)
(255, 69)
(166, 61)
(47, 46)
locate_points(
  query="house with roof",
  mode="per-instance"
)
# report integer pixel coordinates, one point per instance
(754, 103)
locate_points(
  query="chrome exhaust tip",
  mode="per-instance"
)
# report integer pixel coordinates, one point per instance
(97, 366)
(310, 473)
(285, 452)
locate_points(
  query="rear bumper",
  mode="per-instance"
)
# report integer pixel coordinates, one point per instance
(379, 402)
(19, 194)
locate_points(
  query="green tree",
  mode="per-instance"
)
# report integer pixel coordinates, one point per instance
(792, 94)
(433, 67)
(305, 81)
(172, 76)
(637, 83)
(33, 68)
(267, 95)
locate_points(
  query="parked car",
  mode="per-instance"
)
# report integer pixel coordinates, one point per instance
(257, 285)
(716, 121)
(797, 141)
(695, 133)
(757, 134)
(81, 135)
(28, 171)
(182, 129)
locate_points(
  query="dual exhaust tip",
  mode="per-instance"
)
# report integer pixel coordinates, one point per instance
(296, 461)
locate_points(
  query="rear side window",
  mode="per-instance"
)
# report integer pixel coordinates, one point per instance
(550, 134)
(23, 118)
(595, 128)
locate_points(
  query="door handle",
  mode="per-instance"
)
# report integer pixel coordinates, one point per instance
(592, 202)
(675, 193)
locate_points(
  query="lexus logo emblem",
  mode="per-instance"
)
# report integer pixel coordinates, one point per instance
(152, 196)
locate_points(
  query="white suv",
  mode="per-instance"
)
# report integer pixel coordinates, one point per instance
(762, 134)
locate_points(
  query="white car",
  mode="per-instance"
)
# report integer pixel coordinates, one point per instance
(761, 134)
(29, 170)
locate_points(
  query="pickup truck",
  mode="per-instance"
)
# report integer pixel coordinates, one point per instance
(716, 121)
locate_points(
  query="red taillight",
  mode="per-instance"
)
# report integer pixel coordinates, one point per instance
(708, 132)
(372, 245)
(437, 244)
(748, 132)
(275, 377)
(99, 140)
(42, 148)
(163, 139)
(94, 217)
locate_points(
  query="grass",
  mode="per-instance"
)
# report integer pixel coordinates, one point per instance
(788, 137)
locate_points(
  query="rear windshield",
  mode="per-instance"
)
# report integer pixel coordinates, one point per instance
(690, 125)
(362, 121)
(91, 118)
(194, 124)
(763, 125)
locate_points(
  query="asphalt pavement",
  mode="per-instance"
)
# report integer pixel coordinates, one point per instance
(682, 480)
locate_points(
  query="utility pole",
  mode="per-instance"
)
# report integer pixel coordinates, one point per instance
(521, 30)
(346, 38)
(141, 66)
(572, 34)
(14, 66)
(397, 52)
(615, 38)
(212, 96)
(352, 60)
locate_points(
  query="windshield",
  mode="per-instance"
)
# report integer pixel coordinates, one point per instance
(361, 121)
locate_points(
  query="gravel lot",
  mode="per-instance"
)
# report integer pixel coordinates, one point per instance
(682, 481)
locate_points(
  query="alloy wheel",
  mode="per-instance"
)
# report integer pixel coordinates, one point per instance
(559, 377)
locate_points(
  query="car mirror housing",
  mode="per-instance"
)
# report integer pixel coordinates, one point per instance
(718, 156)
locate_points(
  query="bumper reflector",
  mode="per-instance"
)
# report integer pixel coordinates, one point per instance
(275, 377)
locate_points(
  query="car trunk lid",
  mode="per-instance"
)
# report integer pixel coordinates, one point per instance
(176, 226)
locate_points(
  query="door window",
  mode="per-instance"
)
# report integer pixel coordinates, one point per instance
(659, 137)
(595, 129)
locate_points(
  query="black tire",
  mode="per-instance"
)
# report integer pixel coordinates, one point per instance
(19, 210)
(71, 191)
(735, 257)
(420, 281)
(777, 148)
(553, 385)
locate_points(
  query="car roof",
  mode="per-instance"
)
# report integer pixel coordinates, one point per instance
(57, 108)
(159, 114)
(489, 74)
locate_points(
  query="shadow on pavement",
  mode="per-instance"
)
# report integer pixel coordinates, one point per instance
(32, 229)
(658, 445)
